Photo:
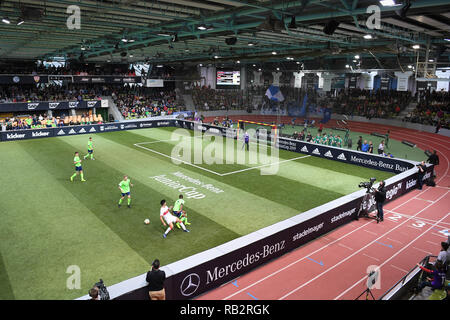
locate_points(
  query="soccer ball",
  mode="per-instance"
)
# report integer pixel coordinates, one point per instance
(147, 221)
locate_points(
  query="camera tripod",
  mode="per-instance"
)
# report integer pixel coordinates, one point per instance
(364, 207)
(371, 280)
(367, 292)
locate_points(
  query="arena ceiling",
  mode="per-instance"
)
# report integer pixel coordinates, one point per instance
(222, 31)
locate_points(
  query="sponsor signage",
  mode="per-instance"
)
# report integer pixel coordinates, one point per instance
(26, 134)
(38, 106)
(158, 83)
(29, 79)
(354, 157)
(22, 79)
(106, 79)
(211, 274)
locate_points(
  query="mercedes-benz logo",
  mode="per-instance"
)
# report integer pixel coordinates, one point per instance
(190, 284)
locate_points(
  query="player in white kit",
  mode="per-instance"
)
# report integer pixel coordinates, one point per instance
(168, 219)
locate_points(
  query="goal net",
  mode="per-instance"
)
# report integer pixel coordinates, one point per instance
(258, 131)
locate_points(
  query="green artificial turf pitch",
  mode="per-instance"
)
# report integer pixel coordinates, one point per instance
(49, 224)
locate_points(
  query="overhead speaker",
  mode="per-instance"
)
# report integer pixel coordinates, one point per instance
(278, 25)
(402, 12)
(331, 27)
(268, 24)
(231, 41)
(292, 24)
(32, 13)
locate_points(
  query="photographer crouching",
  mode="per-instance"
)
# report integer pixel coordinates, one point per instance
(380, 197)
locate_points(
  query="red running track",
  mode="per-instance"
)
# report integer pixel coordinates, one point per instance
(335, 265)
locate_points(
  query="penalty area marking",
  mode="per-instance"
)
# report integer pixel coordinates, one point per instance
(208, 170)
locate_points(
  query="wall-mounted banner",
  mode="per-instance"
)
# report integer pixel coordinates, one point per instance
(23, 79)
(85, 129)
(155, 83)
(44, 106)
(106, 79)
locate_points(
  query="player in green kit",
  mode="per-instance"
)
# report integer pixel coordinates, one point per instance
(330, 140)
(347, 134)
(317, 139)
(324, 139)
(90, 149)
(386, 144)
(124, 187)
(339, 142)
(179, 212)
(78, 168)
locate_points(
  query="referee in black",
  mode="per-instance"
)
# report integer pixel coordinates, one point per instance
(155, 279)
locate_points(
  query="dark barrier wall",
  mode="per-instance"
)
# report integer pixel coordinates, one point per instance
(213, 273)
(36, 106)
(73, 130)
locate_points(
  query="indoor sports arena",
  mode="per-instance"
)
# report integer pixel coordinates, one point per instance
(220, 151)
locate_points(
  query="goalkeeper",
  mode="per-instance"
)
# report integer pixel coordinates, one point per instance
(179, 212)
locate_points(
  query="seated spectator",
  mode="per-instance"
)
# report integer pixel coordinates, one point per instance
(437, 281)
(443, 255)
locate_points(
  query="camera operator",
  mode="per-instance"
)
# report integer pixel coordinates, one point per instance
(422, 167)
(434, 159)
(380, 197)
(94, 294)
(155, 279)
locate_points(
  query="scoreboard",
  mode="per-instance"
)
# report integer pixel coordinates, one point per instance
(228, 78)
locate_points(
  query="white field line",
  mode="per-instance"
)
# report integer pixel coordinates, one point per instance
(424, 220)
(179, 160)
(355, 253)
(264, 165)
(296, 261)
(400, 251)
(208, 170)
(318, 250)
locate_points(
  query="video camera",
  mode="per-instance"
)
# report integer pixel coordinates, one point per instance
(102, 290)
(367, 185)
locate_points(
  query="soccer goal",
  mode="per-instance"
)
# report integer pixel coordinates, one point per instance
(258, 130)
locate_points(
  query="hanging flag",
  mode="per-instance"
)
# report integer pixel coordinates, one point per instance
(326, 115)
(274, 93)
(305, 103)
